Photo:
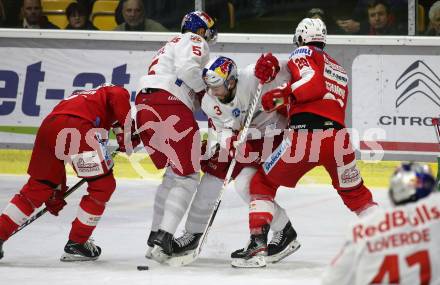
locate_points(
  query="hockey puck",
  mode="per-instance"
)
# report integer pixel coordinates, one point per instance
(142, 267)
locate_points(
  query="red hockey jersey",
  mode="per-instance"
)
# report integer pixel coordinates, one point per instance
(101, 106)
(319, 84)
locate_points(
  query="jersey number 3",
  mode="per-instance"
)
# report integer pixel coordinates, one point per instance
(217, 110)
(390, 267)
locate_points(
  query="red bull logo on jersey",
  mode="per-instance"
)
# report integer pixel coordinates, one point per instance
(384, 235)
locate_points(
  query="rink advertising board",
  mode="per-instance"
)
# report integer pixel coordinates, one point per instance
(398, 94)
(34, 80)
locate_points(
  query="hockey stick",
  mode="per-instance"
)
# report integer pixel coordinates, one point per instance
(190, 258)
(66, 194)
(436, 124)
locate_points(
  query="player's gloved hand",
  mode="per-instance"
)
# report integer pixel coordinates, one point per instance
(56, 202)
(276, 98)
(235, 150)
(267, 68)
(124, 138)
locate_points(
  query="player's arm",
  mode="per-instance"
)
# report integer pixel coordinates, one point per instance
(308, 83)
(341, 271)
(193, 55)
(119, 102)
(124, 127)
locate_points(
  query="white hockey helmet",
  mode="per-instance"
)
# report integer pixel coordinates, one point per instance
(411, 182)
(220, 70)
(310, 30)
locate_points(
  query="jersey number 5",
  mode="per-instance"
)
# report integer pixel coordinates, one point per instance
(197, 50)
(390, 267)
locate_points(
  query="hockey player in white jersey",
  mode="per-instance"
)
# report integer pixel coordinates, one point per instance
(167, 98)
(399, 245)
(226, 104)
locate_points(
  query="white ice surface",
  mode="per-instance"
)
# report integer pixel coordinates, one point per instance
(32, 256)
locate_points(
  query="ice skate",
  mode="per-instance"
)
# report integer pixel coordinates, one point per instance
(283, 244)
(253, 256)
(150, 244)
(186, 244)
(162, 249)
(80, 252)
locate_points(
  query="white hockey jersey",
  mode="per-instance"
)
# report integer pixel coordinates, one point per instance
(177, 68)
(400, 245)
(229, 118)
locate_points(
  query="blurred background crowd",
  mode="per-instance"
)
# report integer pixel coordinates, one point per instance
(350, 17)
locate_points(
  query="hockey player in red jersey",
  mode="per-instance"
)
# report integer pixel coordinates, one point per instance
(396, 245)
(75, 132)
(315, 101)
(167, 99)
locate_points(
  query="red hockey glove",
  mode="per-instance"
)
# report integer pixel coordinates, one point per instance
(276, 98)
(267, 68)
(122, 140)
(56, 202)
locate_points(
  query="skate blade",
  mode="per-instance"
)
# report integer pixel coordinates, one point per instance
(158, 255)
(291, 248)
(182, 259)
(148, 253)
(254, 262)
(67, 257)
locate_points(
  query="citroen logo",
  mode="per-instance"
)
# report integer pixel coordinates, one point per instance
(422, 80)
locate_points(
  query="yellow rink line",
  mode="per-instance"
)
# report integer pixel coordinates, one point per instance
(140, 166)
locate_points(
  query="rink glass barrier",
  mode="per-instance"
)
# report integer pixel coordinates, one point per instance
(394, 80)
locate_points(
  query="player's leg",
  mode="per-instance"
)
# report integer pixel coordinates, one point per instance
(44, 179)
(339, 160)
(278, 169)
(80, 247)
(158, 208)
(283, 242)
(184, 155)
(33, 194)
(147, 112)
(199, 213)
(93, 163)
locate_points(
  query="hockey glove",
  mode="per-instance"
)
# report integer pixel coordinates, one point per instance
(123, 140)
(267, 68)
(276, 98)
(236, 150)
(56, 202)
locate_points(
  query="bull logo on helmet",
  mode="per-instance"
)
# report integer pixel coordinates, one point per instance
(207, 19)
(224, 67)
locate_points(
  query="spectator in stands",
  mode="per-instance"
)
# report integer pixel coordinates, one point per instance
(133, 12)
(2, 14)
(77, 17)
(33, 17)
(434, 20)
(380, 19)
(359, 22)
